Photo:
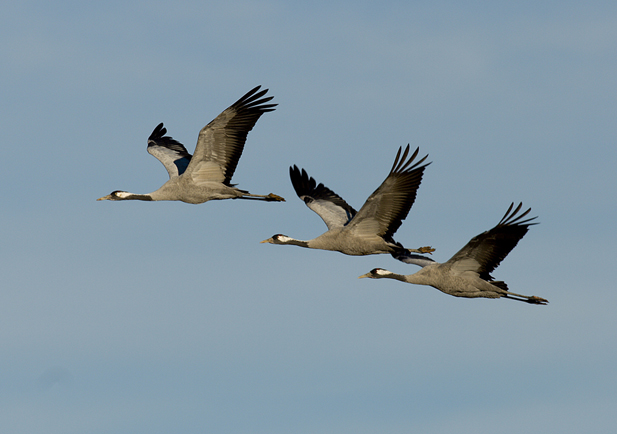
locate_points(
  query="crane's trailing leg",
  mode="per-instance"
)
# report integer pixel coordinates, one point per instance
(268, 198)
(274, 198)
(527, 299)
(425, 249)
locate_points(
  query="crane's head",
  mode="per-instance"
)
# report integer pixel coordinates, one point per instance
(125, 195)
(116, 195)
(284, 239)
(376, 273)
(278, 239)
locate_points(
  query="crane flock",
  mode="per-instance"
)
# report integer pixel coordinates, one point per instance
(206, 175)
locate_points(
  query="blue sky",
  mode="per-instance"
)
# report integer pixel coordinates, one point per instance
(137, 317)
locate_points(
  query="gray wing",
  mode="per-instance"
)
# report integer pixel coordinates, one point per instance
(484, 252)
(221, 142)
(168, 151)
(385, 209)
(328, 205)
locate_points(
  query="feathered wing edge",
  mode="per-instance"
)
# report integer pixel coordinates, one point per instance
(401, 165)
(391, 202)
(328, 205)
(222, 140)
(489, 248)
(171, 153)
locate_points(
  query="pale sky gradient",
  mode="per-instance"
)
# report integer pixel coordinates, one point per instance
(148, 318)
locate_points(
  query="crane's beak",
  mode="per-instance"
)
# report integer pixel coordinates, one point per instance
(269, 240)
(364, 275)
(105, 197)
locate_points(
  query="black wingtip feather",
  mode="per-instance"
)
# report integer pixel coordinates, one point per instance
(512, 219)
(302, 183)
(158, 132)
(308, 190)
(404, 164)
(158, 138)
(251, 100)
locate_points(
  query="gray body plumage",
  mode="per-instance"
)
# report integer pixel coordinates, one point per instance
(206, 175)
(370, 230)
(467, 273)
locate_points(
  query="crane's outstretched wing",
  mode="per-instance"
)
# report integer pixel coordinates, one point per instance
(221, 142)
(385, 209)
(484, 252)
(168, 151)
(328, 205)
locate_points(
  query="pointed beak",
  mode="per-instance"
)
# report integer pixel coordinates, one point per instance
(104, 197)
(364, 275)
(269, 240)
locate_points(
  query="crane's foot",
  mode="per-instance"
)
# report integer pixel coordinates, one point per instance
(537, 300)
(274, 198)
(426, 249)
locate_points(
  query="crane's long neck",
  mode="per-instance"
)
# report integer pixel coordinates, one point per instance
(294, 242)
(395, 276)
(133, 196)
(419, 278)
